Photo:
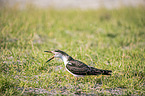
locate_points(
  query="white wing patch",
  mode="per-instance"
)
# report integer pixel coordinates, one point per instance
(69, 63)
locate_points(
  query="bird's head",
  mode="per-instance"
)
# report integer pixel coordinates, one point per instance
(57, 54)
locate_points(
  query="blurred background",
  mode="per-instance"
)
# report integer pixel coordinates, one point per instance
(106, 34)
(82, 4)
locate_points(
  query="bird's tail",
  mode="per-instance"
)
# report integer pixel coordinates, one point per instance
(95, 71)
(106, 72)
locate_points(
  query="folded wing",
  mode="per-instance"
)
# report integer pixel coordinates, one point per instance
(79, 68)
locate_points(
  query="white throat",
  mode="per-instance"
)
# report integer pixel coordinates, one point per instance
(64, 59)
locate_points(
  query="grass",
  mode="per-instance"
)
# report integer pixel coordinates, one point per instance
(106, 39)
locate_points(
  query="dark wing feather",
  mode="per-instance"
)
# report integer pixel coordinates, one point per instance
(77, 67)
(95, 71)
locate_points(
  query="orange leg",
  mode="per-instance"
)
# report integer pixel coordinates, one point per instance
(76, 78)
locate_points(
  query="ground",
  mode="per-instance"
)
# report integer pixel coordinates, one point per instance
(106, 39)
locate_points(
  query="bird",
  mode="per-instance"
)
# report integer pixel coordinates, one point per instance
(76, 67)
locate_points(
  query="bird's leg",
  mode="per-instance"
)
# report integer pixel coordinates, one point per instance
(102, 78)
(76, 78)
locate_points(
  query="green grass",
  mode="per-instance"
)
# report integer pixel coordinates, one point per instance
(106, 39)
